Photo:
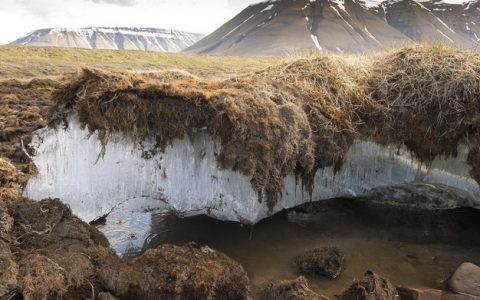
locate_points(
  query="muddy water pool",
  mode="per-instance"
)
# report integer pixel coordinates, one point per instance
(409, 247)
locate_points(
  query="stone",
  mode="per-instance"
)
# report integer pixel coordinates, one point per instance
(371, 287)
(324, 261)
(466, 280)
(296, 289)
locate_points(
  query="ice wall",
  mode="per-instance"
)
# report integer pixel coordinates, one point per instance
(186, 177)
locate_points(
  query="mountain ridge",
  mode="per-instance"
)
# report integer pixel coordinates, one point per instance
(113, 38)
(279, 27)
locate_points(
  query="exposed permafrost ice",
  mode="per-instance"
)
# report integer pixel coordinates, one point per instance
(186, 177)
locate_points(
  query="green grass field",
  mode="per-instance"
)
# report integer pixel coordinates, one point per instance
(28, 62)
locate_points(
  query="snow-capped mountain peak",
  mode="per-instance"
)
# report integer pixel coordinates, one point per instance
(118, 38)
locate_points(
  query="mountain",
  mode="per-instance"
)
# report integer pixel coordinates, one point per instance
(287, 26)
(435, 21)
(144, 39)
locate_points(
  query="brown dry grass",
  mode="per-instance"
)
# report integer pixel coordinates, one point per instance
(296, 117)
(23, 108)
(11, 181)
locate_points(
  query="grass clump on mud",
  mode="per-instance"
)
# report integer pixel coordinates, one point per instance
(296, 117)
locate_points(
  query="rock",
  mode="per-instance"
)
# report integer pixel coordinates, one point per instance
(420, 196)
(176, 272)
(297, 289)
(466, 280)
(371, 287)
(325, 261)
(419, 294)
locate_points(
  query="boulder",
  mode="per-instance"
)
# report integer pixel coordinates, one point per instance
(371, 287)
(324, 261)
(466, 280)
(297, 289)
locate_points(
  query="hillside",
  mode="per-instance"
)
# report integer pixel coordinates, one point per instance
(284, 26)
(143, 39)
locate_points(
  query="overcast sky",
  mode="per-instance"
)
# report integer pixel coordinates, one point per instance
(19, 17)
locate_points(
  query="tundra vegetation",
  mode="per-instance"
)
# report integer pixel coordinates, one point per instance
(272, 117)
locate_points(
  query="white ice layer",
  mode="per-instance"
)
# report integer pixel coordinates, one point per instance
(187, 179)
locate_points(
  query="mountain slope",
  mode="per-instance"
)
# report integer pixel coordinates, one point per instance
(435, 21)
(285, 26)
(144, 39)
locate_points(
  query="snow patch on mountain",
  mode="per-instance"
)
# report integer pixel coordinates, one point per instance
(118, 38)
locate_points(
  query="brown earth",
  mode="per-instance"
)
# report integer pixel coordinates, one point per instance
(297, 117)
